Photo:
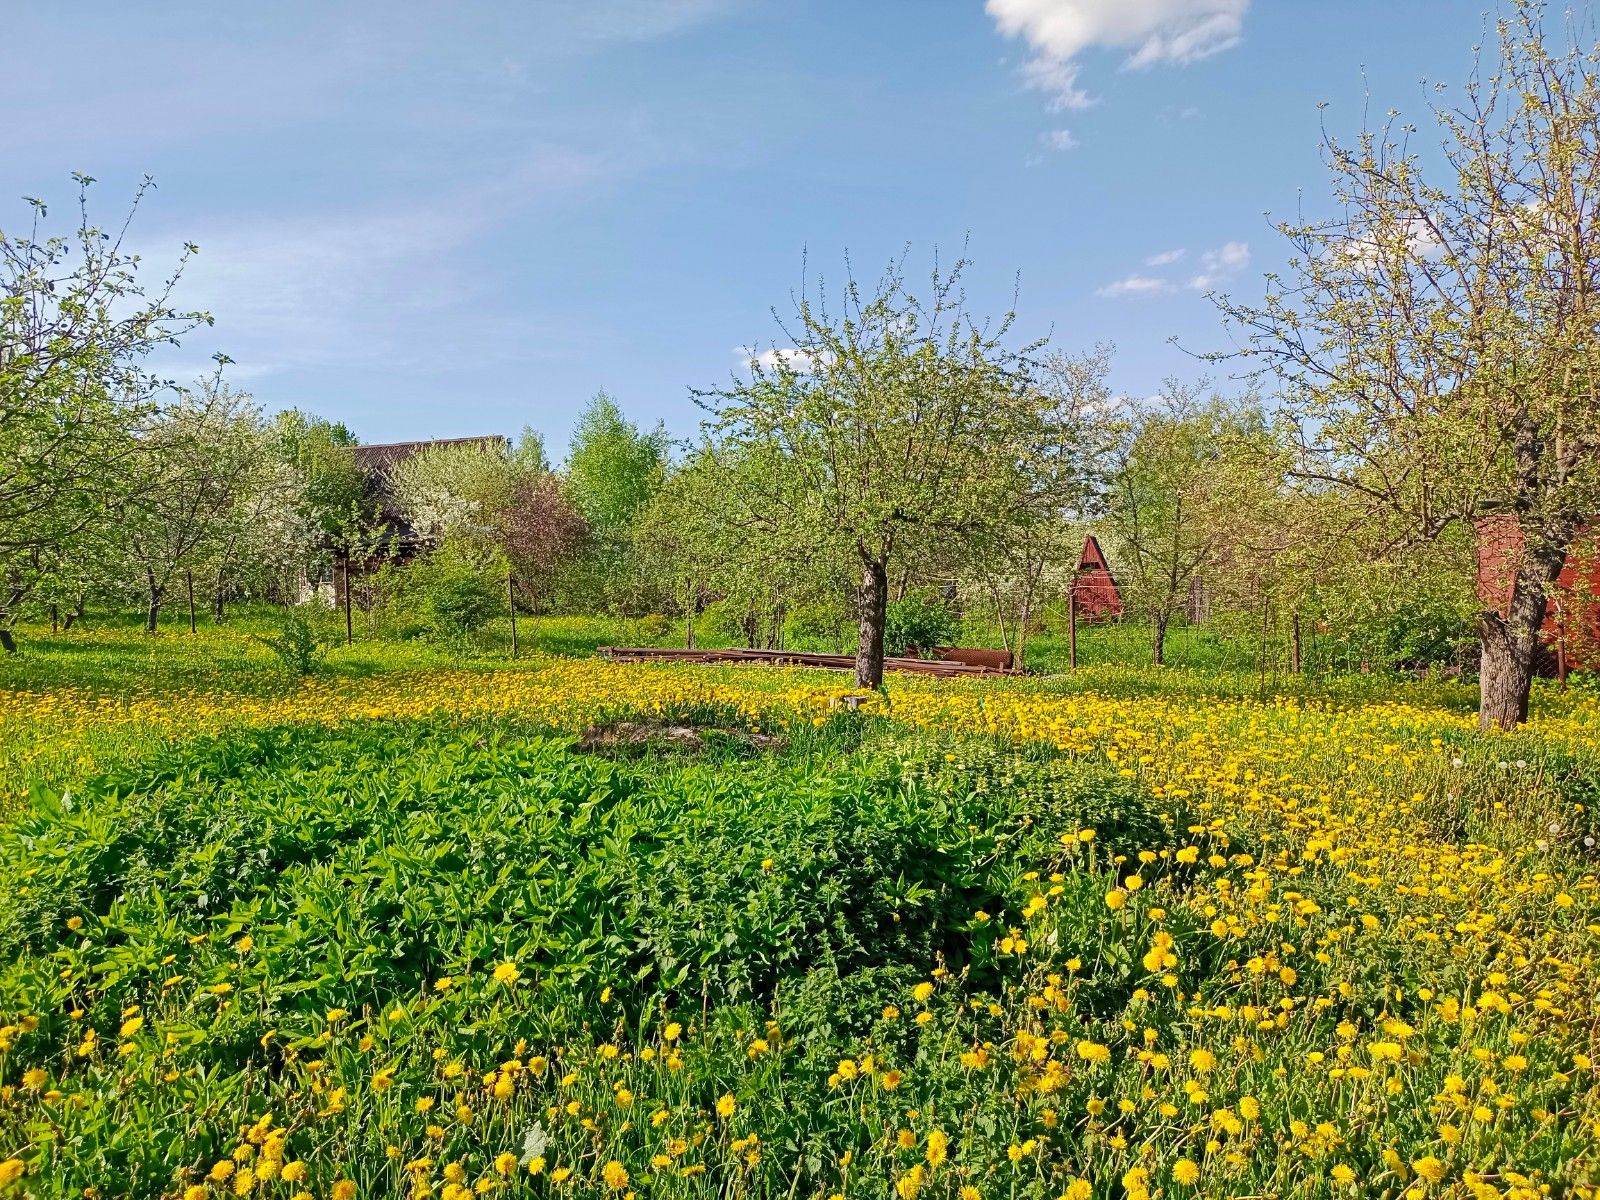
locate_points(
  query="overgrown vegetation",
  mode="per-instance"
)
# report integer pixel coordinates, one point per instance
(298, 644)
(435, 933)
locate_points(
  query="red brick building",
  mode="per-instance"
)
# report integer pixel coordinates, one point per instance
(1571, 629)
(1094, 593)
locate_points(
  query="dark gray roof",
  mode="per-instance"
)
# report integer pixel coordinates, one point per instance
(382, 458)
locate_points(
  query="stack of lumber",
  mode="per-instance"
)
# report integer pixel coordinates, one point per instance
(944, 668)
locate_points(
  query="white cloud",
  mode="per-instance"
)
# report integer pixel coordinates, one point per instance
(1230, 256)
(1152, 31)
(1397, 245)
(771, 359)
(1217, 266)
(1136, 285)
(1059, 139)
(1059, 79)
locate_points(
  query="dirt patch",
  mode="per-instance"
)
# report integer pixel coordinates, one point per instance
(656, 737)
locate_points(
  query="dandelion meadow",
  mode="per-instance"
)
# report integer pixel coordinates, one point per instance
(422, 932)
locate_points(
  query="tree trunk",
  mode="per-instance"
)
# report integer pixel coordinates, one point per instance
(776, 642)
(188, 579)
(1022, 631)
(216, 601)
(873, 601)
(1505, 676)
(1261, 679)
(1159, 646)
(9, 604)
(1294, 645)
(153, 612)
(1510, 643)
(1000, 615)
(75, 615)
(349, 625)
(1561, 660)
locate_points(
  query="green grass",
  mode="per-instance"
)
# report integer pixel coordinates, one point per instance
(397, 952)
(368, 863)
(113, 652)
(114, 659)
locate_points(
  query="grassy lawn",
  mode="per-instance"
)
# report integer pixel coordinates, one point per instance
(437, 923)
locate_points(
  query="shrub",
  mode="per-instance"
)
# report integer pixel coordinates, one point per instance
(1046, 792)
(452, 596)
(652, 629)
(822, 626)
(918, 620)
(729, 621)
(299, 645)
(723, 875)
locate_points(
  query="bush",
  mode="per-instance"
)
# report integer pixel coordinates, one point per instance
(452, 596)
(720, 875)
(299, 645)
(652, 629)
(823, 626)
(918, 620)
(725, 621)
(1043, 791)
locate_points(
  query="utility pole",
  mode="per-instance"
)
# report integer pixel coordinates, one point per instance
(349, 630)
(1561, 646)
(1072, 623)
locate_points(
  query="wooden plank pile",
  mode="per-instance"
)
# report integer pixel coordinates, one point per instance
(944, 668)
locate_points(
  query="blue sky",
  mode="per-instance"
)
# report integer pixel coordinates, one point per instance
(435, 219)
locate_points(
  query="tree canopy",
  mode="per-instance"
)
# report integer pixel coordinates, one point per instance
(1439, 335)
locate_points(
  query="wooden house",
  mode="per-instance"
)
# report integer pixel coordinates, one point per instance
(1094, 590)
(396, 541)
